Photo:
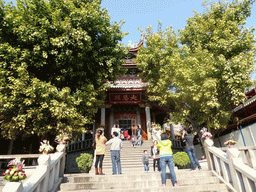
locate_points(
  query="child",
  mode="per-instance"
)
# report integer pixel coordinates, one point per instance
(125, 134)
(133, 140)
(145, 160)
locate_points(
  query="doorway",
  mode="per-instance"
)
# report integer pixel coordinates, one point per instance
(126, 124)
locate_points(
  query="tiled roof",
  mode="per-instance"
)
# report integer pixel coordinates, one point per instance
(248, 102)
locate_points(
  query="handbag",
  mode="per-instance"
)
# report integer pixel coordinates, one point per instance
(157, 157)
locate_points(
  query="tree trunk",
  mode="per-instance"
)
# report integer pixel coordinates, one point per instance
(10, 147)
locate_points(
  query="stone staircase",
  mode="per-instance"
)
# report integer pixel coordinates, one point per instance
(134, 179)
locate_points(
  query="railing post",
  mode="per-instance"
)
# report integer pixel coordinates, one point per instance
(208, 143)
(251, 159)
(233, 154)
(62, 148)
(43, 165)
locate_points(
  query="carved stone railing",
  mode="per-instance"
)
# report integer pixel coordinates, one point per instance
(80, 145)
(74, 150)
(230, 167)
(47, 176)
(176, 144)
(248, 155)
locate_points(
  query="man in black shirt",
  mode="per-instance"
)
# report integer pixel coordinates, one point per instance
(189, 148)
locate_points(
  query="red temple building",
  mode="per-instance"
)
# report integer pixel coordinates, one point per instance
(246, 112)
(127, 104)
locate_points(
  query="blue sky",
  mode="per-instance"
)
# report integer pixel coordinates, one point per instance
(143, 13)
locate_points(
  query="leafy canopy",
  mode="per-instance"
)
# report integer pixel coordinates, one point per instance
(201, 71)
(55, 57)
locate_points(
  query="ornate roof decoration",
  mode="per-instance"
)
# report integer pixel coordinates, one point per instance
(127, 82)
(136, 46)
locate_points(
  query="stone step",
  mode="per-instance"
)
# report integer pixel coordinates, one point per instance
(75, 178)
(132, 149)
(126, 160)
(134, 179)
(125, 155)
(125, 170)
(107, 166)
(196, 188)
(150, 180)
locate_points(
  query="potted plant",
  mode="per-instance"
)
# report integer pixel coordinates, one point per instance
(153, 125)
(84, 162)
(207, 135)
(181, 160)
(62, 138)
(15, 172)
(230, 143)
(45, 147)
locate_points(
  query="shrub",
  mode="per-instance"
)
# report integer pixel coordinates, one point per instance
(181, 159)
(84, 162)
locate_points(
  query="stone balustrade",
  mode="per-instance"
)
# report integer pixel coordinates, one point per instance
(248, 155)
(230, 167)
(47, 176)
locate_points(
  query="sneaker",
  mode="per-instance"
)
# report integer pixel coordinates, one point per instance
(199, 168)
(163, 185)
(175, 185)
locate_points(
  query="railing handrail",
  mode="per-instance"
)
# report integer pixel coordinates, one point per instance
(22, 156)
(229, 166)
(240, 148)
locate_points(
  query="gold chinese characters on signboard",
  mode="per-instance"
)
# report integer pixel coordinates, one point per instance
(124, 97)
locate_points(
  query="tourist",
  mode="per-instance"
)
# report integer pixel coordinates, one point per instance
(100, 150)
(122, 134)
(125, 134)
(133, 141)
(116, 129)
(189, 148)
(155, 156)
(145, 160)
(134, 130)
(116, 145)
(156, 134)
(166, 158)
(139, 135)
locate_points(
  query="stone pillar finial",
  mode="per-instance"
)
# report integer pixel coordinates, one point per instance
(44, 160)
(61, 148)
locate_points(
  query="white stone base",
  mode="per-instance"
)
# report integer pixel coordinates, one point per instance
(13, 187)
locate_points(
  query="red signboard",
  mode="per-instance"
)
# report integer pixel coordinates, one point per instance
(124, 97)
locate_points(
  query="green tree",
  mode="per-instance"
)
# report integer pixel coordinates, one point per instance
(55, 57)
(201, 71)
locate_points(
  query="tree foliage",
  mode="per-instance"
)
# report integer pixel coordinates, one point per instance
(204, 68)
(55, 57)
